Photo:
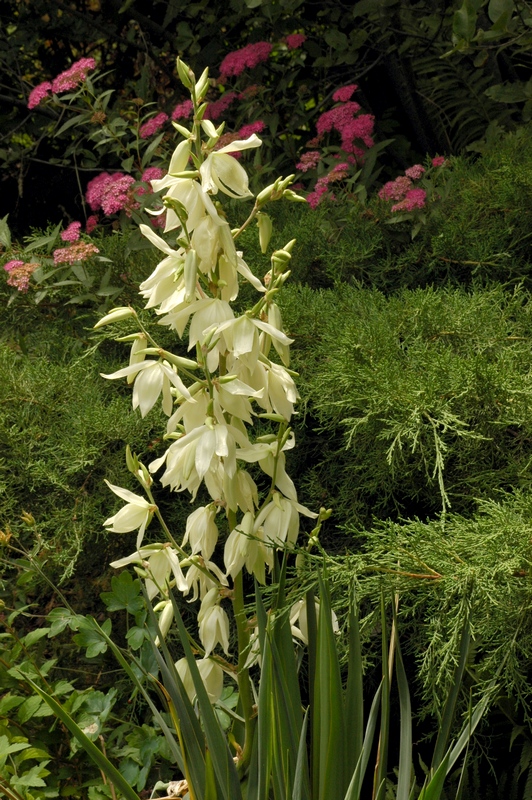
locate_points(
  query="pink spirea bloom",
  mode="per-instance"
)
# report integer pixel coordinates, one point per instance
(152, 125)
(345, 93)
(152, 174)
(253, 127)
(415, 198)
(250, 56)
(321, 188)
(350, 127)
(295, 40)
(309, 160)
(71, 234)
(38, 94)
(92, 223)
(19, 274)
(415, 172)
(215, 110)
(438, 161)
(73, 76)
(13, 264)
(109, 192)
(79, 251)
(183, 110)
(396, 190)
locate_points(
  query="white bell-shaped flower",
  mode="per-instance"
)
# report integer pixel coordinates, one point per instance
(202, 531)
(213, 623)
(136, 514)
(220, 171)
(211, 674)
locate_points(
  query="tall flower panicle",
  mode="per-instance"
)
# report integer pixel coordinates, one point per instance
(72, 77)
(153, 125)
(72, 232)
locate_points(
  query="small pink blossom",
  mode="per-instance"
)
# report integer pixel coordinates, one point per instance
(438, 161)
(253, 127)
(415, 198)
(73, 76)
(343, 119)
(13, 264)
(309, 160)
(397, 189)
(345, 93)
(19, 274)
(92, 223)
(415, 172)
(152, 125)
(71, 234)
(38, 94)
(110, 192)
(248, 57)
(79, 251)
(215, 110)
(183, 110)
(295, 40)
(152, 174)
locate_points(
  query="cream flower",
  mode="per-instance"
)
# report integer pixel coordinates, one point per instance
(211, 674)
(161, 561)
(152, 378)
(298, 613)
(136, 514)
(220, 171)
(279, 520)
(213, 623)
(202, 531)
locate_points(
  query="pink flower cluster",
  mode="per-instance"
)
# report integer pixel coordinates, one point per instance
(345, 93)
(110, 193)
(309, 160)
(152, 125)
(402, 190)
(152, 174)
(235, 63)
(183, 110)
(215, 110)
(414, 198)
(438, 161)
(65, 81)
(71, 234)
(92, 223)
(350, 127)
(252, 127)
(19, 274)
(295, 40)
(339, 172)
(79, 251)
(415, 172)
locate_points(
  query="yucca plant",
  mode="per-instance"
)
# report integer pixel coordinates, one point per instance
(312, 738)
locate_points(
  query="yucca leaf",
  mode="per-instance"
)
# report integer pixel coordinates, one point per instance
(355, 785)
(433, 789)
(450, 704)
(101, 761)
(301, 788)
(382, 753)
(404, 778)
(354, 701)
(222, 760)
(265, 725)
(328, 728)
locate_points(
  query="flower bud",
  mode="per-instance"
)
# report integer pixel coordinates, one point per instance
(202, 84)
(182, 130)
(132, 461)
(266, 194)
(265, 230)
(165, 621)
(117, 314)
(292, 197)
(190, 273)
(186, 75)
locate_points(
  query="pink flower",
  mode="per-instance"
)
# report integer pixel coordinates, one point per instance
(415, 198)
(152, 125)
(109, 192)
(343, 119)
(345, 93)
(73, 76)
(92, 223)
(415, 172)
(71, 234)
(215, 110)
(19, 274)
(295, 40)
(152, 174)
(79, 251)
(253, 127)
(438, 161)
(39, 93)
(14, 264)
(248, 57)
(396, 190)
(309, 160)
(183, 110)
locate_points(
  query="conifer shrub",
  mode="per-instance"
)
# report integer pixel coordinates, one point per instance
(413, 404)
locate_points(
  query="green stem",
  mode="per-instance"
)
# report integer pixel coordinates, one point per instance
(244, 685)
